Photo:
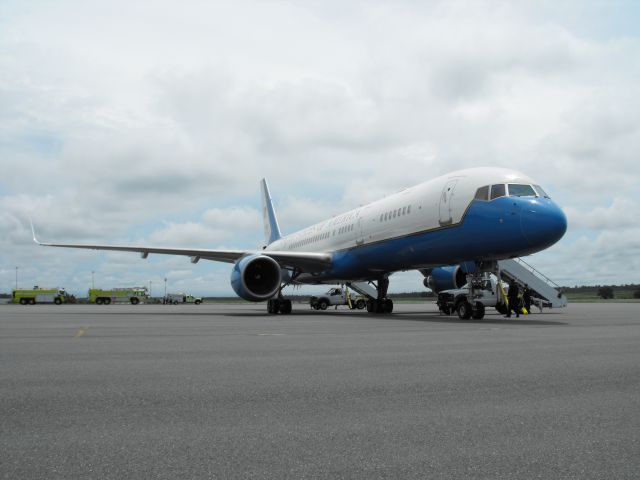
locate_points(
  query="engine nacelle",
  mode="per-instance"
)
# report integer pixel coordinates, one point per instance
(446, 278)
(256, 277)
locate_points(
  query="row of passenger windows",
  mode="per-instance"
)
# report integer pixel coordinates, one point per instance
(322, 236)
(512, 190)
(395, 213)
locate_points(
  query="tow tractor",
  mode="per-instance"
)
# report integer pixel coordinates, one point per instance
(337, 296)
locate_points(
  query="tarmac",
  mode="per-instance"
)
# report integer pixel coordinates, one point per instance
(227, 391)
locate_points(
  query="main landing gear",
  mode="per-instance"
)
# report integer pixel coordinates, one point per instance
(279, 305)
(381, 304)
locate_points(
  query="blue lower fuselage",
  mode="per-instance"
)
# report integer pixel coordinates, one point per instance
(502, 228)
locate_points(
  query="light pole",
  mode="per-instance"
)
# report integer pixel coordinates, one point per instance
(93, 285)
(16, 278)
(165, 287)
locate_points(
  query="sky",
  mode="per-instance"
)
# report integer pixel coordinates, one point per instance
(152, 122)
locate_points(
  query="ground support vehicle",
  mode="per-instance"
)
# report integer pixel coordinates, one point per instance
(472, 302)
(335, 297)
(176, 298)
(39, 295)
(133, 295)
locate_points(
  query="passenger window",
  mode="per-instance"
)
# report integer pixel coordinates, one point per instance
(409, 209)
(381, 216)
(541, 192)
(482, 193)
(497, 191)
(518, 190)
(404, 210)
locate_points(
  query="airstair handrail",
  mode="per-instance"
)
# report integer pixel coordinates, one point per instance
(539, 273)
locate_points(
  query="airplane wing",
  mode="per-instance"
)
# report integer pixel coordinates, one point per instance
(304, 261)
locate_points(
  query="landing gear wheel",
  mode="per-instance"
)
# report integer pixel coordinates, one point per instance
(387, 305)
(322, 304)
(273, 306)
(384, 305)
(464, 310)
(285, 306)
(478, 311)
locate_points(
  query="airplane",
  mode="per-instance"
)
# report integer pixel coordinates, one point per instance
(456, 226)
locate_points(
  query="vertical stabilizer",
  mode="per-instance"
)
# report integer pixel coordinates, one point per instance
(271, 228)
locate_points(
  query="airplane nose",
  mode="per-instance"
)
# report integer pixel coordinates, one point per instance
(543, 223)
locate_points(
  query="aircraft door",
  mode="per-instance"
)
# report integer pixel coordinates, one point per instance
(360, 229)
(445, 209)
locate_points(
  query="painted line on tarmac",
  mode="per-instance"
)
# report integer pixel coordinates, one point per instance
(81, 332)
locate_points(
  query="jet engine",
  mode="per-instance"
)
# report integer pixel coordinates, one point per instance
(446, 278)
(256, 277)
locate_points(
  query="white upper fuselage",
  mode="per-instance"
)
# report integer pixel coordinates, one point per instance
(424, 207)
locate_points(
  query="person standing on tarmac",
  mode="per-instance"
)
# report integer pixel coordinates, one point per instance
(526, 298)
(512, 296)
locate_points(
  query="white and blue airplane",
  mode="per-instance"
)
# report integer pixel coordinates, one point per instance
(460, 223)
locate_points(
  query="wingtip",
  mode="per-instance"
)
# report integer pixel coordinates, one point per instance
(33, 232)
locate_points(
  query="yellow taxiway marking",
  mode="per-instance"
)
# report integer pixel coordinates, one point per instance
(81, 332)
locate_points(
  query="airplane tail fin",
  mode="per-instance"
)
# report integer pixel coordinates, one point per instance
(271, 228)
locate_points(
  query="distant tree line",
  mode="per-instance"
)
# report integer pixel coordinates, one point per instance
(604, 291)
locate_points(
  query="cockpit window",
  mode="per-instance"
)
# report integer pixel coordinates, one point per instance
(519, 190)
(541, 192)
(482, 193)
(497, 191)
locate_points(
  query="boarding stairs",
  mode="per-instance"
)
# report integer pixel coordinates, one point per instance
(541, 286)
(364, 288)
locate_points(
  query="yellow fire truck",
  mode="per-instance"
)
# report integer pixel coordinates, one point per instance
(39, 295)
(132, 295)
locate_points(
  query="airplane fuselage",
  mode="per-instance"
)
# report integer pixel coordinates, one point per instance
(447, 220)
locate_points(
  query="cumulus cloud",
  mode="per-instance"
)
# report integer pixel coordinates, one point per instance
(156, 127)
(615, 217)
